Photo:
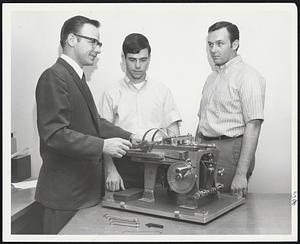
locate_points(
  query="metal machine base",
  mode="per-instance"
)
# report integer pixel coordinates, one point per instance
(165, 206)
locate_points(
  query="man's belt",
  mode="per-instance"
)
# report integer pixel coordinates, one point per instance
(217, 138)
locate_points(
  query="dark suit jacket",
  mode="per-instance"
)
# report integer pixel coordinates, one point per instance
(71, 140)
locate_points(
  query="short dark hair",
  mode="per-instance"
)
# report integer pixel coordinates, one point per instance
(134, 43)
(74, 25)
(233, 30)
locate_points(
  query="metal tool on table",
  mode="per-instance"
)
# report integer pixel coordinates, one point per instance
(180, 181)
(154, 225)
(125, 224)
(122, 221)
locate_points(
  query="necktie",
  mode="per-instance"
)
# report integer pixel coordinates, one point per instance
(88, 92)
(85, 85)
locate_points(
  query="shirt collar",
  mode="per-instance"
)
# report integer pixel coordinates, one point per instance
(127, 80)
(74, 65)
(229, 64)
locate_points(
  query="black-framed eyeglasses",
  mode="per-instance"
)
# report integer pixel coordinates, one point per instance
(93, 41)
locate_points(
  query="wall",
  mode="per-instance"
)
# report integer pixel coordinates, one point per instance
(177, 34)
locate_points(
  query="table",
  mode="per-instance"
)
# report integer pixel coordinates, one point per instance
(261, 214)
(26, 213)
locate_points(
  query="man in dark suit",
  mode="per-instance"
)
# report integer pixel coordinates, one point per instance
(73, 137)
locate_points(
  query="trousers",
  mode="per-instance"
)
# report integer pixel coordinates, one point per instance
(55, 219)
(230, 150)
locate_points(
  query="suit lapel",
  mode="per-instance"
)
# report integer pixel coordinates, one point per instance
(85, 91)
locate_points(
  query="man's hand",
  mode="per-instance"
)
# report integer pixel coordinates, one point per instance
(239, 185)
(116, 147)
(114, 181)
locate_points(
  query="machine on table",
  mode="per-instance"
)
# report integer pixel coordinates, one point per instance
(179, 181)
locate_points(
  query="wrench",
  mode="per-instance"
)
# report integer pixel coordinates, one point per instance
(108, 216)
(123, 221)
(125, 224)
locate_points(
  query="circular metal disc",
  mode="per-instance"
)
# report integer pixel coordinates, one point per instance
(181, 185)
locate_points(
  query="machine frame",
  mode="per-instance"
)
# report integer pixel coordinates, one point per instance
(192, 192)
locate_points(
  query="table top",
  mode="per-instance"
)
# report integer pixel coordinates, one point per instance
(260, 214)
(21, 200)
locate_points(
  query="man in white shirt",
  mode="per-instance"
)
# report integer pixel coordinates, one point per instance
(136, 103)
(232, 108)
